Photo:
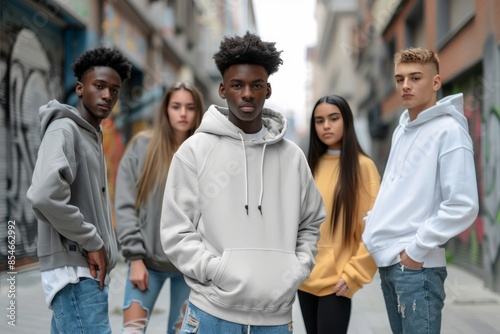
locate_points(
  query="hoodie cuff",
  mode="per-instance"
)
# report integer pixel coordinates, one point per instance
(212, 266)
(93, 244)
(416, 253)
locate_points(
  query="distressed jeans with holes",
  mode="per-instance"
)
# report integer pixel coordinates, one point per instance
(179, 293)
(198, 322)
(414, 298)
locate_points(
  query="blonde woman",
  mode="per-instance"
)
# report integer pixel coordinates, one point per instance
(139, 194)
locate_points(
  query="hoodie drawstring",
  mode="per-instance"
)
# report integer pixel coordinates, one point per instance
(246, 175)
(262, 178)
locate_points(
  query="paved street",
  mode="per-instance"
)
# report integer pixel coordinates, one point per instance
(470, 308)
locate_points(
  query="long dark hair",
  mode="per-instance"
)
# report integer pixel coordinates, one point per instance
(345, 199)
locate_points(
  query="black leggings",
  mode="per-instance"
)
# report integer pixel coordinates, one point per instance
(325, 315)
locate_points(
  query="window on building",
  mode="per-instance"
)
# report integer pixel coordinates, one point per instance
(452, 16)
(388, 67)
(415, 27)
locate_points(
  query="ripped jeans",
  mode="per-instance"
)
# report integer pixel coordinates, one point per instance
(179, 293)
(414, 298)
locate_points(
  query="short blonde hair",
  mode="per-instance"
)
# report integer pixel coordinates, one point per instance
(417, 55)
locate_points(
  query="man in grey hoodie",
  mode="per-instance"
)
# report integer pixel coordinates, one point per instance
(76, 241)
(241, 212)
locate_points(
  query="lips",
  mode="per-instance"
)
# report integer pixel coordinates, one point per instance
(247, 107)
(104, 107)
(407, 96)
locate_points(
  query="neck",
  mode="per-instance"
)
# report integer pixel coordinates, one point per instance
(252, 126)
(86, 115)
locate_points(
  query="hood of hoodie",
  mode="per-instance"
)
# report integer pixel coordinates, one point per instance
(215, 121)
(54, 110)
(452, 105)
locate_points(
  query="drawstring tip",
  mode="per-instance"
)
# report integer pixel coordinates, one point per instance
(260, 209)
(246, 208)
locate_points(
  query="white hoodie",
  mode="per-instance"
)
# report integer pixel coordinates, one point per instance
(241, 216)
(428, 193)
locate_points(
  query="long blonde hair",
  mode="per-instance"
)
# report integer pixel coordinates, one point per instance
(162, 145)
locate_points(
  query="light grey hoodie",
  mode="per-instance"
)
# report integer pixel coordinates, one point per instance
(69, 191)
(241, 219)
(428, 193)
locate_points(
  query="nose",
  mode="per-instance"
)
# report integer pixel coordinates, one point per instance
(183, 111)
(247, 93)
(106, 94)
(406, 84)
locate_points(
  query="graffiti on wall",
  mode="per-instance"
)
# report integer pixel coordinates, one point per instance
(480, 244)
(28, 81)
(490, 209)
(472, 239)
(491, 176)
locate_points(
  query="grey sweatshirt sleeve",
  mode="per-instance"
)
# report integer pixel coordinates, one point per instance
(127, 217)
(312, 216)
(50, 191)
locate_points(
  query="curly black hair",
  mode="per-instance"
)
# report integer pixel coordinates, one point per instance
(102, 57)
(249, 49)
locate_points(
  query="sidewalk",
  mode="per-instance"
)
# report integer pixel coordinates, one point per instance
(470, 308)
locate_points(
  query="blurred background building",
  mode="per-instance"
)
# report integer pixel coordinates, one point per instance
(171, 40)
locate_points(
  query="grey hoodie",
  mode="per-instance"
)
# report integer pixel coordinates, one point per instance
(241, 219)
(69, 191)
(137, 230)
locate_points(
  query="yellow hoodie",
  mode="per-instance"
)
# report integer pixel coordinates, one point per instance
(335, 259)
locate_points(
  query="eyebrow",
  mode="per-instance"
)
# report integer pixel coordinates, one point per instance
(332, 114)
(412, 73)
(254, 81)
(106, 82)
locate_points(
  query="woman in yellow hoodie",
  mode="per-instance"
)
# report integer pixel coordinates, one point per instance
(348, 181)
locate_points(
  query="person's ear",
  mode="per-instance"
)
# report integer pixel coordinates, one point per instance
(436, 83)
(222, 91)
(269, 90)
(79, 89)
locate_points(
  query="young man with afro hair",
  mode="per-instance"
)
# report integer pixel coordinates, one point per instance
(241, 211)
(76, 240)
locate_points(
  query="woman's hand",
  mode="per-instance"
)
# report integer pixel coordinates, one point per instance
(341, 288)
(139, 275)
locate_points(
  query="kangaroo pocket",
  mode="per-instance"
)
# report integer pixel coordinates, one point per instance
(257, 279)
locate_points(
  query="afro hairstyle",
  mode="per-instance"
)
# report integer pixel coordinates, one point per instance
(249, 49)
(102, 57)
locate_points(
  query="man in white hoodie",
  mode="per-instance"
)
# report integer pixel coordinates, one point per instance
(428, 195)
(241, 212)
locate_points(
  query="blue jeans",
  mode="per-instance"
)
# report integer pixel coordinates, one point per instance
(414, 298)
(81, 308)
(179, 293)
(197, 321)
